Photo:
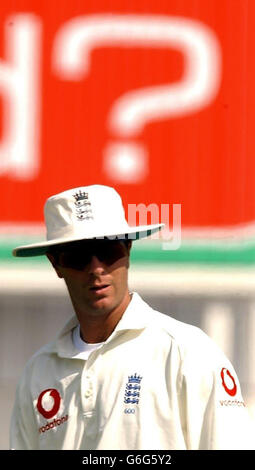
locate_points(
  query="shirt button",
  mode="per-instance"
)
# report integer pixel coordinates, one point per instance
(87, 393)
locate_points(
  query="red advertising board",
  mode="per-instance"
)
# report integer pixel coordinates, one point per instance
(153, 98)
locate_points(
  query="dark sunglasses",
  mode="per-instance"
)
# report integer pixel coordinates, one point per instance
(79, 254)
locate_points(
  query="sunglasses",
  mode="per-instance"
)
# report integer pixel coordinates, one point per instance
(79, 254)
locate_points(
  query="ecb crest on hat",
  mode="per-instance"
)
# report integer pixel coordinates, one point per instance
(82, 206)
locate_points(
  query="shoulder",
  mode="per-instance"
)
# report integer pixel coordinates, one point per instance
(193, 343)
(48, 363)
(202, 363)
(61, 346)
(183, 333)
(34, 364)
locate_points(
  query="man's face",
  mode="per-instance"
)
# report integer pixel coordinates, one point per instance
(96, 274)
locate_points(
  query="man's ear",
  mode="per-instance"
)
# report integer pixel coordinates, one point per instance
(129, 245)
(52, 260)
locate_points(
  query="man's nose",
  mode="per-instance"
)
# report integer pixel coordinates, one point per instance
(96, 266)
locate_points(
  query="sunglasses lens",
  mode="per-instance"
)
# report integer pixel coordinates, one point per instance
(111, 252)
(74, 259)
(78, 257)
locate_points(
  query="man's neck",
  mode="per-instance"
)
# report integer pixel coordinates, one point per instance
(97, 329)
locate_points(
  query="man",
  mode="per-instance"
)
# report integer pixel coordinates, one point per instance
(119, 375)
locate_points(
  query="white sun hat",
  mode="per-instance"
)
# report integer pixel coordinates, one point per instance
(84, 213)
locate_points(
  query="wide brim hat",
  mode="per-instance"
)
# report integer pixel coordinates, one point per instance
(83, 213)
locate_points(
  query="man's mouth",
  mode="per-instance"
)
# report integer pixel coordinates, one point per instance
(99, 288)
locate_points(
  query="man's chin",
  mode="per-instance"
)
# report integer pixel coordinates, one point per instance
(102, 304)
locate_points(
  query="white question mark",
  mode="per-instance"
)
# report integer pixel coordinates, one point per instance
(127, 161)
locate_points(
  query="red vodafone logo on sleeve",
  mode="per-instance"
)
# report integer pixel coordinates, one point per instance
(228, 382)
(48, 403)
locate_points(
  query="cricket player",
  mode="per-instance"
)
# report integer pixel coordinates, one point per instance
(119, 375)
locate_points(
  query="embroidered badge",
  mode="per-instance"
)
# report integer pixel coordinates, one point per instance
(82, 206)
(133, 388)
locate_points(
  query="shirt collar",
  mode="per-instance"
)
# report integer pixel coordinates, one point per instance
(136, 317)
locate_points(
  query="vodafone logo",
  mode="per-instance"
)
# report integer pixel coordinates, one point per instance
(228, 382)
(48, 403)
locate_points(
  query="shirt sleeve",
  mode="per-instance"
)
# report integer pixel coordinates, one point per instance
(23, 429)
(215, 415)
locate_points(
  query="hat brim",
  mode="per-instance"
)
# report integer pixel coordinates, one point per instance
(133, 233)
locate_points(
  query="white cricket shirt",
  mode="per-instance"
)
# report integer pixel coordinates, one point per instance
(156, 383)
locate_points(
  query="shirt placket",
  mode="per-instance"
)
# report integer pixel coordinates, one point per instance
(89, 394)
